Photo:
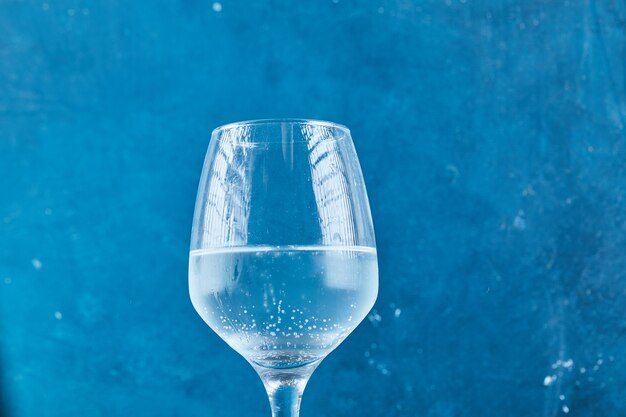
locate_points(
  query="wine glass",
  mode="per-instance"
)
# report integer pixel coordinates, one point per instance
(283, 258)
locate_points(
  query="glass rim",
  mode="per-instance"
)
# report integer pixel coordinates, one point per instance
(279, 121)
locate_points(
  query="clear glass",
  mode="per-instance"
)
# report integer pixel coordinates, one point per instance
(283, 258)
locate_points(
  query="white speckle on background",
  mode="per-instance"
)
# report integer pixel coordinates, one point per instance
(528, 191)
(518, 222)
(36, 263)
(374, 318)
(383, 369)
(397, 312)
(562, 397)
(567, 364)
(453, 172)
(549, 380)
(217, 6)
(565, 409)
(58, 315)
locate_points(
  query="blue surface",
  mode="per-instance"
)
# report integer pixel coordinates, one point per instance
(491, 136)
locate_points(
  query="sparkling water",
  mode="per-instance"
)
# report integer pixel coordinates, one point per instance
(283, 307)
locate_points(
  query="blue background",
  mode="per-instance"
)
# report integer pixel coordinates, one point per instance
(491, 136)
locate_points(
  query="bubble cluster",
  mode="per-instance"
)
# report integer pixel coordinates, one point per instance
(274, 305)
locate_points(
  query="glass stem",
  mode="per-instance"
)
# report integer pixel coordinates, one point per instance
(285, 400)
(285, 388)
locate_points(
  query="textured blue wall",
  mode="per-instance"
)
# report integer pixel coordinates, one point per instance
(491, 136)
